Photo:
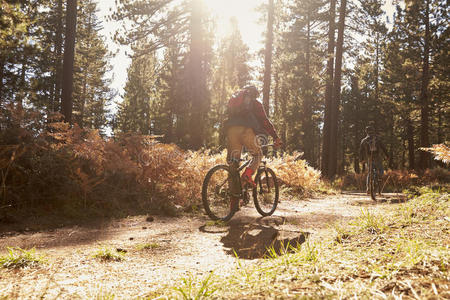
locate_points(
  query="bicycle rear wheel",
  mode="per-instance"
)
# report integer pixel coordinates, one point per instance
(266, 192)
(373, 185)
(216, 193)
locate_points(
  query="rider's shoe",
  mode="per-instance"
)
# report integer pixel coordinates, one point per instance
(247, 178)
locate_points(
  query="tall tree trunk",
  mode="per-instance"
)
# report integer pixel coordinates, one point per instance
(377, 67)
(308, 131)
(222, 111)
(268, 58)
(2, 65)
(439, 129)
(58, 51)
(283, 113)
(276, 98)
(336, 99)
(83, 101)
(197, 78)
(69, 57)
(403, 159)
(328, 91)
(410, 138)
(85, 78)
(424, 158)
(21, 92)
(391, 157)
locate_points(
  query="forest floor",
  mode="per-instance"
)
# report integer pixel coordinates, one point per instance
(153, 255)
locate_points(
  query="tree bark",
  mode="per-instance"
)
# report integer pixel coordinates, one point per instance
(21, 92)
(377, 68)
(439, 129)
(69, 57)
(424, 158)
(328, 91)
(2, 65)
(410, 138)
(276, 97)
(403, 159)
(268, 58)
(308, 130)
(58, 51)
(336, 99)
(283, 113)
(85, 78)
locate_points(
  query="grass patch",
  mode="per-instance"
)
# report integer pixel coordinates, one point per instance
(147, 246)
(109, 254)
(191, 289)
(394, 251)
(216, 223)
(21, 258)
(371, 222)
(104, 296)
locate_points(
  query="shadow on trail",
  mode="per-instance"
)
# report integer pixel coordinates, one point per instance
(250, 240)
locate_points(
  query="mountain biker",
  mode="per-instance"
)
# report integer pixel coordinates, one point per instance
(372, 141)
(246, 121)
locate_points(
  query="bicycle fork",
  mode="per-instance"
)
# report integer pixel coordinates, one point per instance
(264, 168)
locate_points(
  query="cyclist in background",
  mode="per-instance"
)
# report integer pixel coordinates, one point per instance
(372, 143)
(246, 120)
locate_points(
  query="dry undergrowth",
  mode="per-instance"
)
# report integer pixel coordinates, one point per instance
(76, 172)
(401, 254)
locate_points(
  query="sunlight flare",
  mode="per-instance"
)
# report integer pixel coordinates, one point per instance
(246, 14)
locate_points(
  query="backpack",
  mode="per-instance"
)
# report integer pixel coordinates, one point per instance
(239, 105)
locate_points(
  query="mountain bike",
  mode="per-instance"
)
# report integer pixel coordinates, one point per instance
(216, 192)
(374, 181)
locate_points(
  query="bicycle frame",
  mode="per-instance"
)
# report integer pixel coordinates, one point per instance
(245, 164)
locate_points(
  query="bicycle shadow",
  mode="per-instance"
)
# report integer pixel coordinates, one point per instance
(251, 240)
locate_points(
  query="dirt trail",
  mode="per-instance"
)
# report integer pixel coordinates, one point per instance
(182, 246)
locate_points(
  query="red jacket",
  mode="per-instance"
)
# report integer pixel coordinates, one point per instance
(254, 116)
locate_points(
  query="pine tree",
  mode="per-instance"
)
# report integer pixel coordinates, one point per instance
(297, 63)
(91, 87)
(135, 111)
(268, 56)
(161, 23)
(14, 49)
(326, 146)
(171, 118)
(335, 108)
(69, 56)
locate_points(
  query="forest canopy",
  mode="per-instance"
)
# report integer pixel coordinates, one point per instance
(326, 70)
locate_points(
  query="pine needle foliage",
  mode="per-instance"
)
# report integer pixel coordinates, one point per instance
(441, 152)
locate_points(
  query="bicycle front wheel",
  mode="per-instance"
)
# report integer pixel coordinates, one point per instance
(216, 193)
(266, 192)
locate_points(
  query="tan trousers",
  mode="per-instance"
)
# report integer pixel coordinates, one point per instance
(239, 136)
